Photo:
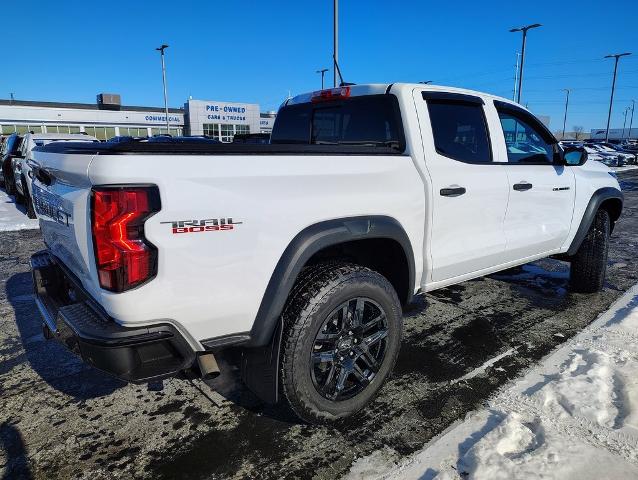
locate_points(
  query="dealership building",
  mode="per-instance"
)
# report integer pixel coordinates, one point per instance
(614, 133)
(108, 118)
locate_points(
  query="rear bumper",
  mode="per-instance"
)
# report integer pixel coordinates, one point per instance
(69, 314)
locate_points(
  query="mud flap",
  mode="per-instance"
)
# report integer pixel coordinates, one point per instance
(260, 368)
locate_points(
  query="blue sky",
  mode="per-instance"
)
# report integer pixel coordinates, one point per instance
(258, 51)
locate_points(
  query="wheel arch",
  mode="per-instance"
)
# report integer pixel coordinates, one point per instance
(607, 198)
(329, 239)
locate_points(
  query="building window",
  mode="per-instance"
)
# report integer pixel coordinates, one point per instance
(211, 130)
(7, 129)
(134, 131)
(227, 133)
(101, 133)
(62, 129)
(174, 132)
(242, 129)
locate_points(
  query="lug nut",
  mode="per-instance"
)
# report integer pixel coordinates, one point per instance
(350, 333)
(341, 358)
(352, 354)
(356, 341)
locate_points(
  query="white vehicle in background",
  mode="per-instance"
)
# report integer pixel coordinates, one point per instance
(301, 252)
(597, 155)
(21, 164)
(610, 153)
(627, 157)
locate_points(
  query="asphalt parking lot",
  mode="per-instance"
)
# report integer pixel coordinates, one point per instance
(62, 419)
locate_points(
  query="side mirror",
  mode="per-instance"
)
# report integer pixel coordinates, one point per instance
(574, 156)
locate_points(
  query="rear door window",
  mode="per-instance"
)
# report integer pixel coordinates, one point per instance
(460, 130)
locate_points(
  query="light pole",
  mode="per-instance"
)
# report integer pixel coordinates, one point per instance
(565, 117)
(624, 123)
(631, 122)
(518, 56)
(161, 50)
(322, 72)
(335, 41)
(520, 73)
(613, 87)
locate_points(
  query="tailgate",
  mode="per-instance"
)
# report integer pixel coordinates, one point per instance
(61, 197)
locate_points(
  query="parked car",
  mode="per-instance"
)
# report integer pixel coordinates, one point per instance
(252, 138)
(628, 156)
(22, 171)
(600, 156)
(177, 140)
(613, 155)
(302, 252)
(11, 149)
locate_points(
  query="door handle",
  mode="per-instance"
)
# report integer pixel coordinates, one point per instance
(523, 186)
(452, 191)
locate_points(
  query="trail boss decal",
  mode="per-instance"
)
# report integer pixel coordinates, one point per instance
(204, 225)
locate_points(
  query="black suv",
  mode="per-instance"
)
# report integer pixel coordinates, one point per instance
(11, 149)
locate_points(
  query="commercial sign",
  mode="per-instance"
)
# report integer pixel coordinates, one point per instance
(162, 118)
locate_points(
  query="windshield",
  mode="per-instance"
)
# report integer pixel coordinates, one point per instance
(372, 120)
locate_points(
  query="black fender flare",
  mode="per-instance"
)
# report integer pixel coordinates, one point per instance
(311, 240)
(596, 200)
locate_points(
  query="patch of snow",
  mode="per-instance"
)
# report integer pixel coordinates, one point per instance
(13, 216)
(574, 416)
(480, 370)
(375, 466)
(624, 168)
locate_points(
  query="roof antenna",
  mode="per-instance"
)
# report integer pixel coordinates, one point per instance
(342, 83)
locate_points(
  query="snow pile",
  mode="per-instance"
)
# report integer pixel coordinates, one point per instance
(575, 416)
(13, 216)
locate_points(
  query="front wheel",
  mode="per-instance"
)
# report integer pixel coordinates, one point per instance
(342, 334)
(589, 264)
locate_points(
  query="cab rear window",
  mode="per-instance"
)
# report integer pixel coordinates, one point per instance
(373, 120)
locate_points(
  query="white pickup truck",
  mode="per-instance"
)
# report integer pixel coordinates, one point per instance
(302, 252)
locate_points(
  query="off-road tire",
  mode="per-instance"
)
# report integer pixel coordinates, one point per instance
(18, 196)
(9, 186)
(28, 200)
(589, 264)
(318, 291)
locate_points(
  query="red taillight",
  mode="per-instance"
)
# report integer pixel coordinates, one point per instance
(330, 94)
(124, 257)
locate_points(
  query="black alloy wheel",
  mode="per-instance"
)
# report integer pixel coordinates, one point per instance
(349, 349)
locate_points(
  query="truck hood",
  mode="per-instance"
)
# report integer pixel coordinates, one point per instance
(595, 166)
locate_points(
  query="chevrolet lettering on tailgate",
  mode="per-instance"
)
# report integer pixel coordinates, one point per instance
(48, 205)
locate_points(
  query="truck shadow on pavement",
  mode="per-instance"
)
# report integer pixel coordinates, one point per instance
(50, 360)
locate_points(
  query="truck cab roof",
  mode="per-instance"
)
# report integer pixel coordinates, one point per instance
(395, 88)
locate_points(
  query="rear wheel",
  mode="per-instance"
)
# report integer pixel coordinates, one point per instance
(589, 264)
(342, 334)
(8, 182)
(28, 200)
(18, 196)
